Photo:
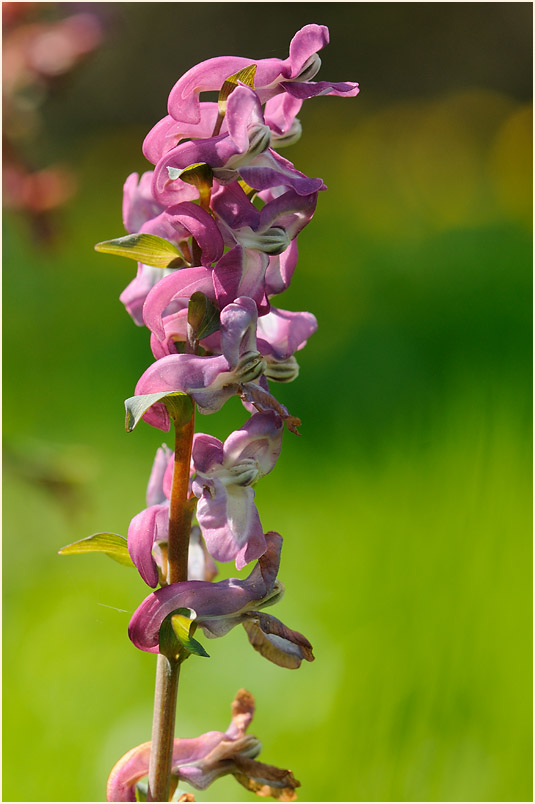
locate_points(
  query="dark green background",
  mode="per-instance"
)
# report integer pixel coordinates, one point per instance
(405, 507)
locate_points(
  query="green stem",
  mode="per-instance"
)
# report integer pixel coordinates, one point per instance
(168, 670)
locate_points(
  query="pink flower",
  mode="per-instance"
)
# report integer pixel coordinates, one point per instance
(273, 76)
(148, 532)
(225, 475)
(202, 760)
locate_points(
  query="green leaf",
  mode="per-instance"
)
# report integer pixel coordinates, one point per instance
(178, 404)
(175, 640)
(141, 791)
(146, 248)
(203, 317)
(111, 544)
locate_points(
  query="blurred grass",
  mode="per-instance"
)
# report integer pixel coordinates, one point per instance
(405, 507)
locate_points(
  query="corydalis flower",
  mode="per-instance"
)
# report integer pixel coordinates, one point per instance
(142, 213)
(202, 760)
(210, 381)
(219, 607)
(244, 151)
(149, 530)
(273, 76)
(225, 475)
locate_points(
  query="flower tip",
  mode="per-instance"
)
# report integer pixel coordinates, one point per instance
(243, 707)
(292, 423)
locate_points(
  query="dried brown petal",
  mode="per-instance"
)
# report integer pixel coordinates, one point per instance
(242, 709)
(266, 780)
(276, 642)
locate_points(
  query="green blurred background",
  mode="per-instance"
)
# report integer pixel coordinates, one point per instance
(405, 506)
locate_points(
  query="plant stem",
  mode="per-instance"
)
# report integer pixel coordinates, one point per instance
(168, 669)
(180, 510)
(163, 728)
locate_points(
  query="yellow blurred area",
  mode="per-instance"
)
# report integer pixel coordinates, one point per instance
(511, 165)
(457, 162)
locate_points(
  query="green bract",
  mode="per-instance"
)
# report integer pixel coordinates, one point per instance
(179, 405)
(111, 544)
(148, 249)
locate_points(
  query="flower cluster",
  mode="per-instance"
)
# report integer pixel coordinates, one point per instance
(214, 229)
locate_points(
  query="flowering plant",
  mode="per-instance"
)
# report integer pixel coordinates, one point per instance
(214, 231)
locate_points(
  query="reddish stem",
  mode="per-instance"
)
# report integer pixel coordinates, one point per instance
(167, 671)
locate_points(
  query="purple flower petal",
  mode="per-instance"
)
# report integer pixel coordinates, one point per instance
(175, 289)
(207, 452)
(243, 112)
(304, 45)
(165, 135)
(226, 511)
(139, 205)
(211, 74)
(240, 272)
(276, 642)
(310, 89)
(280, 270)
(209, 380)
(206, 379)
(134, 295)
(260, 438)
(175, 329)
(190, 219)
(229, 521)
(280, 113)
(132, 767)
(291, 211)
(147, 527)
(238, 328)
(281, 333)
(216, 152)
(155, 489)
(231, 205)
(201, 567)
(269, 169)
